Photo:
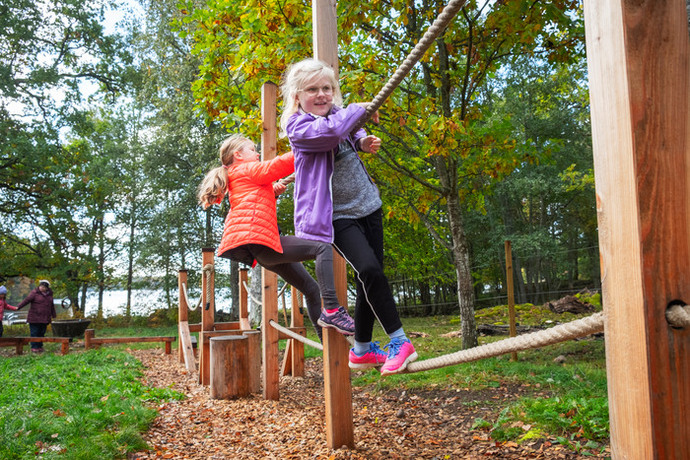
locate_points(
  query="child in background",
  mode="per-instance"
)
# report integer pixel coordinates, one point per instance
(251, 228)
(4, 305)
(337, 202)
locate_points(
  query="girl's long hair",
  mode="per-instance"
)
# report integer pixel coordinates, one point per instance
(215, 185)
(296, 78)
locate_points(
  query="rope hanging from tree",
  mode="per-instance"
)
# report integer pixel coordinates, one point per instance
(572, 330)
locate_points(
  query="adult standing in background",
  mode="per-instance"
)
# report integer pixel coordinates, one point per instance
(41, 312)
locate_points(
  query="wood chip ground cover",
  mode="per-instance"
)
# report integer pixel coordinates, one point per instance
(391, 424)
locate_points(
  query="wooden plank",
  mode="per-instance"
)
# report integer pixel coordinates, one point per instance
(638, 69)
(269, 93)
(186, 346)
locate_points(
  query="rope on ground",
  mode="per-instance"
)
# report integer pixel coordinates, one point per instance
(186, 299)
(678, 316)
(296, 336)
(415, 55)
(207, 271)
(568, 331)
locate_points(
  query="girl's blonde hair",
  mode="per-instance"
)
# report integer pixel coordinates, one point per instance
(296, 78)
(215, 185)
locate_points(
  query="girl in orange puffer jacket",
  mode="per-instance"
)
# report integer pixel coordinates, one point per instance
(251, 233)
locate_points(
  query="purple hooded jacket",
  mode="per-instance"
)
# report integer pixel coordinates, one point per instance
(42, 308)
(314, 141)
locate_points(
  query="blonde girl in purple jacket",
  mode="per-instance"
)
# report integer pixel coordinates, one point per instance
(337, 202)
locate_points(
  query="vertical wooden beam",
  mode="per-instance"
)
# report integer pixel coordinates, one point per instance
(244, 299)
(325, 31)
(337, 385)
(182, 310)
(207, 316)
(271, 367)
(296, 320)
(638, 69)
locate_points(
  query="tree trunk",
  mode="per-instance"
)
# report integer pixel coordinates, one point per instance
(461, 261)
(255, 293)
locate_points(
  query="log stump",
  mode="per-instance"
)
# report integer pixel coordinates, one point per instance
(230, 367)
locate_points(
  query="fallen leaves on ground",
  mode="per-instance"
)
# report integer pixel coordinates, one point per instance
(388, 424)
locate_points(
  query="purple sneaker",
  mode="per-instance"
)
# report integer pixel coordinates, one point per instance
(400, 354)
(340, 321)
(375, 357)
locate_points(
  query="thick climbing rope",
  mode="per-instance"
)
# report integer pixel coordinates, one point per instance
(295, 335)
(207, 271)
(186, 299)
(568, 331)
(678, 316)
(254, 299)
(432, 33)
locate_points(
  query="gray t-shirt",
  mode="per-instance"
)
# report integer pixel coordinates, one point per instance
(354, 194)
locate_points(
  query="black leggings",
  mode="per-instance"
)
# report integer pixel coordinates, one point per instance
(360, 242)
(288, 266)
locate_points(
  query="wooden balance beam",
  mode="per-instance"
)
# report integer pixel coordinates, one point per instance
(19, 342)
(90, 341)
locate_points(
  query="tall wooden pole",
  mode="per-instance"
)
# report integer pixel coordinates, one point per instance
(269, 304)
(337, 385)
(208, 314)
(639, 91)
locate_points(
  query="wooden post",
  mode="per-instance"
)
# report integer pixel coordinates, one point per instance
(254, 369)
(269, 93)
(637, 53)
(229, 367)
(244, 300)
(182, 310)
(338, 389)
(511, 294)
(207, 314)
(88, 336)
(340, 429)
(296, 320)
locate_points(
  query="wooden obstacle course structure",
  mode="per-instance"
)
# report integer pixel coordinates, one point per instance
(90, 340)
(209, 329)
(19, 342)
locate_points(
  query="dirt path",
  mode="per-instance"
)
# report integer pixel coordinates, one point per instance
(388, 424)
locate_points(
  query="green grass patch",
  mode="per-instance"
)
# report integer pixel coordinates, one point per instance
(90, 403)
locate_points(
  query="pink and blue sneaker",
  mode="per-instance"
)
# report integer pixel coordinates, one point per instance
(400, 353)
(339, 320)
(375, 357)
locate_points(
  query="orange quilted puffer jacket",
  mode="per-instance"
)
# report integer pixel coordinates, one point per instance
(252, 216)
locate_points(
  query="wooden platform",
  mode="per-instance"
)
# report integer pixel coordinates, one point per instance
(19, 342)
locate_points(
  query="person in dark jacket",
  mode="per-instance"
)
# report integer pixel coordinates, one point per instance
(41, 312)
